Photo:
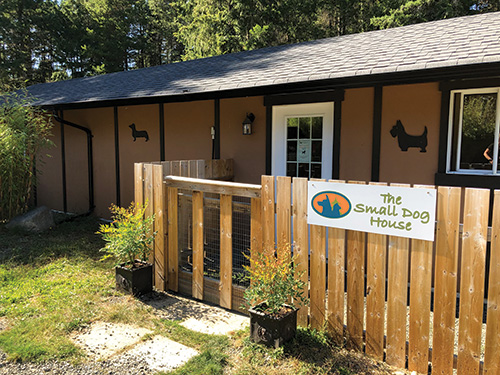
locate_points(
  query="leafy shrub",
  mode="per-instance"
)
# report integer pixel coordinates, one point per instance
(274, 280)
(129, 236)
(24, 132)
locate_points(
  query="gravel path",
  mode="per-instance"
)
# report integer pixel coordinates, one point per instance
(120, 365)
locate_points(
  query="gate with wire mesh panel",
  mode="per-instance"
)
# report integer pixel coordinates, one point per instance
(212, 220)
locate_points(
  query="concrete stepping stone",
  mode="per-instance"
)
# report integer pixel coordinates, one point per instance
(102, 340)
(161, 353)
(216, 321)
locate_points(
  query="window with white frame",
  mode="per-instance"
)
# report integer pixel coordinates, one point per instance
(473, 137)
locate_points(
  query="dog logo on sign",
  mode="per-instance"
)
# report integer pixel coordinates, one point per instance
(331, 204)
(405, 140)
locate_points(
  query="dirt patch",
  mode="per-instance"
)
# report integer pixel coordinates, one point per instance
(3, 324)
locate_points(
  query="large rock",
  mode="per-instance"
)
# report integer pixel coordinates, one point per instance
(37, 220)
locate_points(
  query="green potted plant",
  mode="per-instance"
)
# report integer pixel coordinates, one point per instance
(128, 239)
(274, 295)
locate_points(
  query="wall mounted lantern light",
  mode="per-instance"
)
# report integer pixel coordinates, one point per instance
(247, 124)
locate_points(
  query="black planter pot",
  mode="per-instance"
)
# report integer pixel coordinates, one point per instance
(272, 330)
(136, 281)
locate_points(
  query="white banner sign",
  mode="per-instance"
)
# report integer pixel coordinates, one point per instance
(396, 211)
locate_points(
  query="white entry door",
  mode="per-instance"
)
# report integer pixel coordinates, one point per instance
(303, 140)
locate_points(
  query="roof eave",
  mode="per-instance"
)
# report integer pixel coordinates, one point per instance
(459, 72)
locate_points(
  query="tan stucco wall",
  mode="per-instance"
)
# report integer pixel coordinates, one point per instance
(247, 151)
(49, 175)
(145, 117)
(100, 122)
(416, 106)
(356, 135)
(187, 130)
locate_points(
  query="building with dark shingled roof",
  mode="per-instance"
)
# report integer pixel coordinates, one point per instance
(354, 107)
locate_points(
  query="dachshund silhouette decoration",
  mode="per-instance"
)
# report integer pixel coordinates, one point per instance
(405, 140)
(138, 133)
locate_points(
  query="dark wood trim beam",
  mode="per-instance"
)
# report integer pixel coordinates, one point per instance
(305, 97)
(269, 139)
(117, 157)
(63, 165)
(337, 127)
(377, 132)
(470, 83)
(475, 181)
(216, 144)
(162, 131)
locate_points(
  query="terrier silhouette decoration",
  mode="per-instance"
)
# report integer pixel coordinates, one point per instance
(405, 140)
(138, 133)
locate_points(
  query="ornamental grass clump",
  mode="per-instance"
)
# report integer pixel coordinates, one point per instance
(25, 134)
(129, 237)
(274, 281)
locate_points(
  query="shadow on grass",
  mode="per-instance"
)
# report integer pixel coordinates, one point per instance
(310, 352)
(74, 239)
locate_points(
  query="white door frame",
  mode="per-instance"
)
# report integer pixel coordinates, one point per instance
(279, 135)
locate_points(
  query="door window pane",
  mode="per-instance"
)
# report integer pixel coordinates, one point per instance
(303, 170)
(317, 127)
(315, 170)
(305, 127)
(292, 125)
(291, 151)
(302, 152)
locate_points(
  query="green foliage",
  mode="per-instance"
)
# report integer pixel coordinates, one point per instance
(24, 132)
(129, 236)
(212, 358)
(50, 284)
(274, 279)
(479, 116)
(42, 40)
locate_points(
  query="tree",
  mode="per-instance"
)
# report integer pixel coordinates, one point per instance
(416, 11)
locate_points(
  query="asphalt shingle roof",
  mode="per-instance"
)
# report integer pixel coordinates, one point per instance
(439, 44)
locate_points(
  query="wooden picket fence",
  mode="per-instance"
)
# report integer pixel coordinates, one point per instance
(394, 298)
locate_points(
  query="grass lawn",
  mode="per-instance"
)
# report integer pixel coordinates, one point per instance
(53, 284)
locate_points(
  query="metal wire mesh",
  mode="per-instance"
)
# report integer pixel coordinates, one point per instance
(211, 235)
(241, 239)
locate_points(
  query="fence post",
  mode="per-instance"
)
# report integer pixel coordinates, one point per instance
(172, 239)
(420, 302)
(138, 183)
(160, 256)
(491, 357)
(301, 240)
(376, 254)
(283, 222)
(148, 197)
(397, 298)
(475, 233)
(197, 245)
(445, 282)
(268, 212)
(226, 250)
(355, 285)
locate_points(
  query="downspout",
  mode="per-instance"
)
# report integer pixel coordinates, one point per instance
(90, 163)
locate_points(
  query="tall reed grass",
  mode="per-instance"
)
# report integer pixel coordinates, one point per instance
(24, 132)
